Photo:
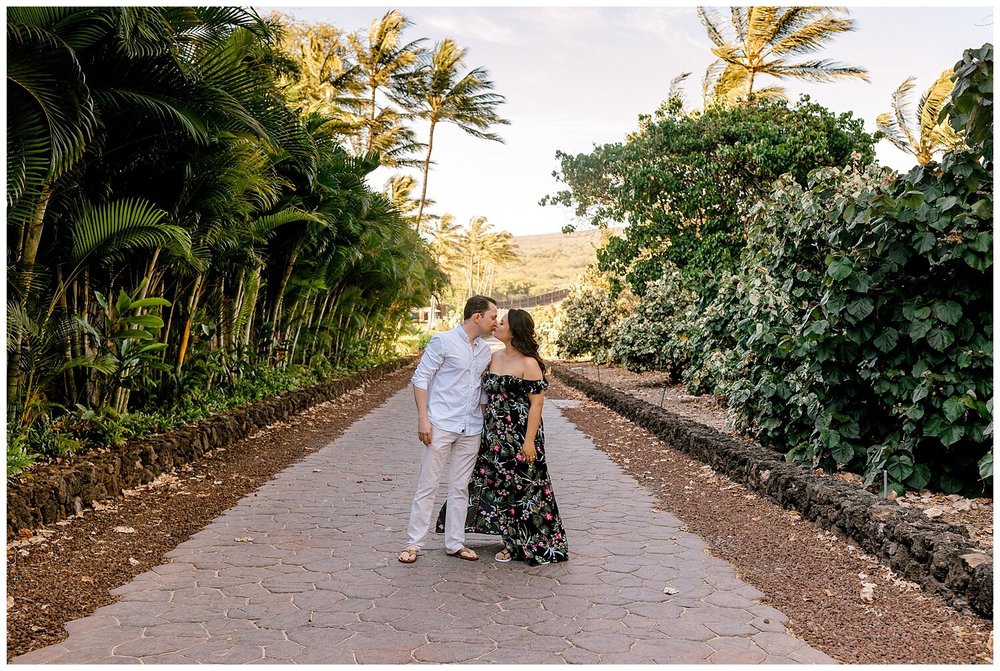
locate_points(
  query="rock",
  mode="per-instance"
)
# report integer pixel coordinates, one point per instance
(974, 559)
(933, 511)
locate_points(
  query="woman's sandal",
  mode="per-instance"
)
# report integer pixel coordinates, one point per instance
(465, 553)
(408, 556)
(503, 556)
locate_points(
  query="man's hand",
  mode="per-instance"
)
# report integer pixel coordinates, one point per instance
(424, 431)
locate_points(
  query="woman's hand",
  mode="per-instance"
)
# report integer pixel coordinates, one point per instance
(528, 450)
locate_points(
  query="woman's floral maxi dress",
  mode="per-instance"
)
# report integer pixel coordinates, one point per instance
(508, 496)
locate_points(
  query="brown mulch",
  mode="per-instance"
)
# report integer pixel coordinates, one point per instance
(815, 577)
(67, 570)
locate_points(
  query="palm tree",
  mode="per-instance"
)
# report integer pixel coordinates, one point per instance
(762, 40)
(383, 61)
(446, 242)
(925, 135)
(438, 92)
(321, 79)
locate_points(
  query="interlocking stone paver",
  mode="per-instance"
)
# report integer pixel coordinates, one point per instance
(320, 584)
(443, 653)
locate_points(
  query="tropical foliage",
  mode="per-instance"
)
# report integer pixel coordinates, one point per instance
(177, 228)
(684, 184)
(856, 329)
(926, 134)
(471, 256)
(437, 91)
(761, 40)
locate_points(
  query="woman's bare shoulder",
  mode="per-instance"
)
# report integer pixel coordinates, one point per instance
(530, 370)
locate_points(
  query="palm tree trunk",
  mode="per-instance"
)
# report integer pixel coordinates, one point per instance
(149, 273)
(33, 236)
(427, 167)
(371, 121)
(276, 313)
(186, 335)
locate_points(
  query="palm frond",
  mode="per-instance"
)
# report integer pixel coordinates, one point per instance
(114, 228)
(823, 70)
(890, 128)
(165, 108)
(933, 101)
(44, 68)
(810, 37)
(710, 19)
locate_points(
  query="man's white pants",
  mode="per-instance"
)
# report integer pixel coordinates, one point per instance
(461, 450)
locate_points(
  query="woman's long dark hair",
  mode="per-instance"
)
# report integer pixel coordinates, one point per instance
(522, 335)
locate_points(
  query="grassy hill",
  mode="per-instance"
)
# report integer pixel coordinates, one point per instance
(548, 261)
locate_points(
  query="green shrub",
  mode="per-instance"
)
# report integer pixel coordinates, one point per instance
(867, 344)
(587, 318)
(653, 335)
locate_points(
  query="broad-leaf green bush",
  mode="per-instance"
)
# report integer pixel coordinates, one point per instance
(587, 318)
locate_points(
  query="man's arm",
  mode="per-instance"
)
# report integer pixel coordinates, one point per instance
(430, 362)
(424, 428)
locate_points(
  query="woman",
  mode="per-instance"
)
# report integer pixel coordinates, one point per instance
(510, 493)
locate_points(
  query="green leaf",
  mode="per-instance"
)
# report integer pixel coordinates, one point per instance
(887, 339)
(948, 311)
(861, 308)
(919, 478)
(843, 453)
(954, 407)
(150, 302)
(983, 209)
(134, 334)
(936, 426)
(940, 339)
(983, 242)
(986, 465)
(924, 241)
(899, 467)
(145, 321)
(860, 281)
(912, 199)
(123, 302)
(840, 268)
(945, 204)
(918, 329)
(950, 484)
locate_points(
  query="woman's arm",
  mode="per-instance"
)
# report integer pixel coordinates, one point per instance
(533, 373)
(534, 421)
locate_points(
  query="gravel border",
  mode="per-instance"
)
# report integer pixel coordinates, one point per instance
(939, 556)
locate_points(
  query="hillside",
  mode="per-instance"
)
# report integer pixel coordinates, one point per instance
(548, 261)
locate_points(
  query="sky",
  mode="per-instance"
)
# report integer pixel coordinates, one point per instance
(575, 77)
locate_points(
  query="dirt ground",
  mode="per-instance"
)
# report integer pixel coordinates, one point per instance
(66, 570)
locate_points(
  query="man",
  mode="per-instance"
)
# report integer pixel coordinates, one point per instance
(447, 387)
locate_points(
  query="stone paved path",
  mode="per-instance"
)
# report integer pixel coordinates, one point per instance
(319, 581)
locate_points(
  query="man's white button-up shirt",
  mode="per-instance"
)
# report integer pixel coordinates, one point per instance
(451, 370)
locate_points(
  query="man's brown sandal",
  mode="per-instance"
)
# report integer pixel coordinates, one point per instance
(467, 554)
(408, 556)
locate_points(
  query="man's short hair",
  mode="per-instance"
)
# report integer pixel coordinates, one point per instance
(477, 304)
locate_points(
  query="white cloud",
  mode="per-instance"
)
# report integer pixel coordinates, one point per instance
(468, 26)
